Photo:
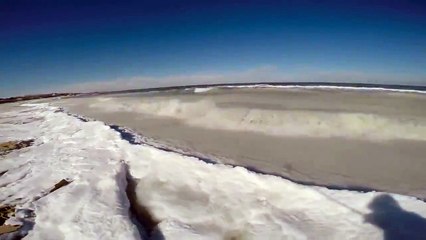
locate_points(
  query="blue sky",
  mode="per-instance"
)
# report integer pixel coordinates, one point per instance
(55, 45)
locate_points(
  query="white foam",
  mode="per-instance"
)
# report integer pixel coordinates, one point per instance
(326, 87)
(203, 90)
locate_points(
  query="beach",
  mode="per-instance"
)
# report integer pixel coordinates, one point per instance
(293, 165)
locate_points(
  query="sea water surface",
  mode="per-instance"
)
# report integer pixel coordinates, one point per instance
(354, 138)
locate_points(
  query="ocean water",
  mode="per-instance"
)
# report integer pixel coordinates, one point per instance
(349, 138)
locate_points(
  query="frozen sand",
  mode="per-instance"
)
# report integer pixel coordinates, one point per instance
(344, 138)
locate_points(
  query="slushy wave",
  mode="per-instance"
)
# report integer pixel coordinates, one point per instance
(205, 113)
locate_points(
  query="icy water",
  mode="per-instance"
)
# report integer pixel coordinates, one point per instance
(341, 138)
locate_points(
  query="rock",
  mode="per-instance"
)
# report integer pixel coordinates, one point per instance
(7, 147)
(8, 228)
(60, 184)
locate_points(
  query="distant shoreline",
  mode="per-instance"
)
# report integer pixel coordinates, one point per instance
(33, 97)
(329, 85)
(309, 85)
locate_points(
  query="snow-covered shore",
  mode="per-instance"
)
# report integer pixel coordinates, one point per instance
(94, 205)
(191, 199)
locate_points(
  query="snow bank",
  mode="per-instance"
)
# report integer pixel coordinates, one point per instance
(94, 205)
(191, 199)
(206, 114)
(196, 200)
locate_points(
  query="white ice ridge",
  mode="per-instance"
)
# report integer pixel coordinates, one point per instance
(191, 199)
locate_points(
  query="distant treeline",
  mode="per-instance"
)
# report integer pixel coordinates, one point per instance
(31, 97)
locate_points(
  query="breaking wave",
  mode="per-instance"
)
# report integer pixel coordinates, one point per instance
(325, 87)
(207, 114)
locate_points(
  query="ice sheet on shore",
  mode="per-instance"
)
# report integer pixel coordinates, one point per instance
(191, 199)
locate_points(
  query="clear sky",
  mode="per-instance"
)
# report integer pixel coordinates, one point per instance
(52, 45)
